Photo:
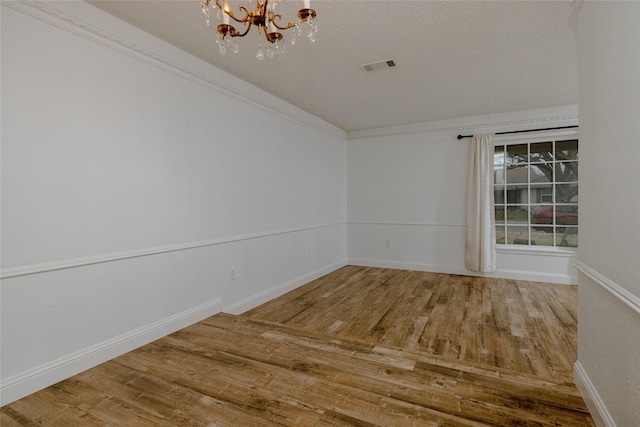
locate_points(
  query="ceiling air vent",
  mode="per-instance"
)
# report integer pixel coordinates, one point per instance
(379, 65)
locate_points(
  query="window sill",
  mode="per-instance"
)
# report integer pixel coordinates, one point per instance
(536, 250)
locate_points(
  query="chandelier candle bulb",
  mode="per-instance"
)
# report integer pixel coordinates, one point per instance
(263, 18)
(225, 15)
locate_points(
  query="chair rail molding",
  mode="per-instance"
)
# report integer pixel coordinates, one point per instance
(78, 262)
(612, 287)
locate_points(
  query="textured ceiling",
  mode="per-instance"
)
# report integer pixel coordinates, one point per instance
(454, 58)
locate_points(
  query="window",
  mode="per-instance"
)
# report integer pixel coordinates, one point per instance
(536, 192)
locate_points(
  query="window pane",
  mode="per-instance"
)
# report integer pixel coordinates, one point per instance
(542, 214)
(498, 194)
(567, 172)
(518, 173)
(518, 214)
(517, 194)
(541, 152)
(516, 153)
(567, 215)
(536, 193)
(541, 173)
(498, 174)
(499, 213)
(567, 150)
(541, 194)
(542, 236)
(567, 237)
(518, 235)
(498, 155)
(566, 193)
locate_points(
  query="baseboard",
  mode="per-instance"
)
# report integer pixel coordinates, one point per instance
(248, 303)
(592, 399)
(43, 376)
(533, 276)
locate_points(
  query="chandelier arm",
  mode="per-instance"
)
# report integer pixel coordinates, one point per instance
(263, 18)
(238, 34)
(286, 27)
(230, 13)
(243, 20)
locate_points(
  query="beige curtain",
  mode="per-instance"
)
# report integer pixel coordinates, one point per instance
(481, 230)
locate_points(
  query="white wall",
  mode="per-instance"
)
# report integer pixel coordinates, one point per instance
(407, 185)
(132, 187)
(608, 367)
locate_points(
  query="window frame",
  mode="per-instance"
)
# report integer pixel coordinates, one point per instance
(531, 138)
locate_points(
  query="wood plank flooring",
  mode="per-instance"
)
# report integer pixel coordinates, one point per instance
(358, 347)
(529, 327)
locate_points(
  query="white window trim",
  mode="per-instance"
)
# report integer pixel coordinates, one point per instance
(532, 137)
(559, 251)
(522, 138)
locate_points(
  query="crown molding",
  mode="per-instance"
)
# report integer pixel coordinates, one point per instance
(90, 23)
(500, 122)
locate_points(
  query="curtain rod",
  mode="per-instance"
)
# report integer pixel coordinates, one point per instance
(522, 131)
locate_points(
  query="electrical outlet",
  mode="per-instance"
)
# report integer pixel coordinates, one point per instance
(309, 252)
(232, 274)
(387, 243)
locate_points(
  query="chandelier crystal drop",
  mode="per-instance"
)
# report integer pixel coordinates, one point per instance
(267, 22)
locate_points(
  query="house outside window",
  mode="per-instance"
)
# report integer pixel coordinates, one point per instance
(536, 191)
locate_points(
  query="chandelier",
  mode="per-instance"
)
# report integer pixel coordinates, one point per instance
(266, 20)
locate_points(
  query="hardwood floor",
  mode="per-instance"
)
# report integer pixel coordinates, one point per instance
(529, 327)
(360, 347)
